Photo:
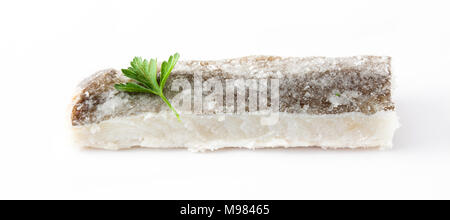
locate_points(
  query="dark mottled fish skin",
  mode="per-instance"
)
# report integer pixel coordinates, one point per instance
(306, 85)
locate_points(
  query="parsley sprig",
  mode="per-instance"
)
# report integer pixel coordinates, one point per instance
(145, 72)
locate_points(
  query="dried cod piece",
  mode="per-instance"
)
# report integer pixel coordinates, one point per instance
(250, 102)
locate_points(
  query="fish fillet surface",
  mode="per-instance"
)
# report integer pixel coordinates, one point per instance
(249, 102)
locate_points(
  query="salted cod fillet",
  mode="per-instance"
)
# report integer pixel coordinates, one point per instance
(342, 102)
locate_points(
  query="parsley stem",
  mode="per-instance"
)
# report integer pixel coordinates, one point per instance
(170, 106)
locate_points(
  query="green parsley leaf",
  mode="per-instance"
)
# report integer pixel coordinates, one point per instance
(145, 72)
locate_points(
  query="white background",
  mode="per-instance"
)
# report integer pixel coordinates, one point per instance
(47, 47)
